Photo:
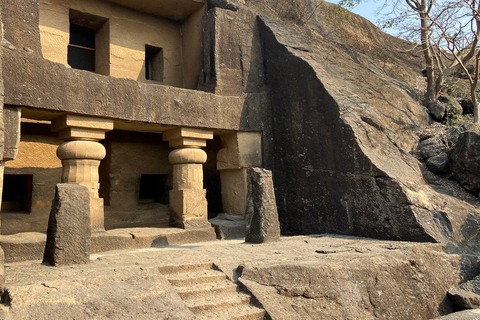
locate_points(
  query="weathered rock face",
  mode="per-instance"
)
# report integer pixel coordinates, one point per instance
(437, 109)
(69, 231)
(464, 299)
(462, 315)
(261, 218)
(392, 285)
(466, 161)
(334, 98)
(343, 119)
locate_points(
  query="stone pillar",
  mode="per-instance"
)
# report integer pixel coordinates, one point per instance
(188, 203)
(81, 155)
(241, 150)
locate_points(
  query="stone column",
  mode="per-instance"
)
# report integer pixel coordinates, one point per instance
(81, 155)
(241, 150)
(188, 203)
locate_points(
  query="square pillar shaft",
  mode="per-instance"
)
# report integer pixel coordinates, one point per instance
(241, 150)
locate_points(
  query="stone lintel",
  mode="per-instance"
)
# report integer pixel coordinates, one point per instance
(76, 127)
(183, 137)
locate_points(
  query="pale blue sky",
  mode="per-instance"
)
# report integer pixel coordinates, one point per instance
(368, 9)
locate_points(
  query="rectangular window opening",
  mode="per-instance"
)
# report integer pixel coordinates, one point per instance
(81, 49)
(88, 48)
(17, 193)
(153, 188)
(153, 63)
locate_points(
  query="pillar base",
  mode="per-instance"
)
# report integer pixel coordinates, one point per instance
(196, 223)
(189, 204)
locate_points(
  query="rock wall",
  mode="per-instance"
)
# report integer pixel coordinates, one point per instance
(352, 282)
(336, 101)
(340, 124)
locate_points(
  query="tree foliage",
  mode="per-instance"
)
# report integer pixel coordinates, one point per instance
(448, 32)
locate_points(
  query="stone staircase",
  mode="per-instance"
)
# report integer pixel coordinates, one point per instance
(209, 294)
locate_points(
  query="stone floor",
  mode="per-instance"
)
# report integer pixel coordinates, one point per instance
(30, 245)
(135, 283)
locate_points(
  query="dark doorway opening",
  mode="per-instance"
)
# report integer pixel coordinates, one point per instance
(153, 63)
(17, 193)
(153, 188)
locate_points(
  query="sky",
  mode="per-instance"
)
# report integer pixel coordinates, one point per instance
(368, 9)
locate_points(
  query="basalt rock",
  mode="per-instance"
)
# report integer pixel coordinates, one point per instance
(438, 164)
(69, 232)
(466, 161)
(261, 218)
(437, 109)
(464, 299)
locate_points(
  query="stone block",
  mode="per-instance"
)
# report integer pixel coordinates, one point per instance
(261, 218)
(234, 191)
(78, 121)
(462, 315)
(187, 137)
(69, 231)
(432, 147)
(2, 271)
(465, 299)
(188, 204)
(228, 227)
(11, 122)
(241, 150)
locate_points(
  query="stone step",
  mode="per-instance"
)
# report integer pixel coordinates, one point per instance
(239, 312)
(195, 277)
(206, 289)
(216, 303)
(172, 269)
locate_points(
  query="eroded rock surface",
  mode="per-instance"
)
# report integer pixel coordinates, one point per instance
(69, 231)
(304, 277)
(466, 161)
(261, 218)
(464, 299)
(344, 104)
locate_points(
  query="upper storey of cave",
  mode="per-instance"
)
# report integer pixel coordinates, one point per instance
(154, 41)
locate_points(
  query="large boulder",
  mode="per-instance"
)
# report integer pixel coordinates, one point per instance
(341, 123)
(437, 109)
(353, 282)
(464, 299)
(466, 161)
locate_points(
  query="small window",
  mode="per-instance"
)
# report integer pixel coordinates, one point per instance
(153, 63)
(153, 188)
(81, 49)
(89, 44)
(17, 193)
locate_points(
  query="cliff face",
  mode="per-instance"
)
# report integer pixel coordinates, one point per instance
(336, 101)
(344, 110)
